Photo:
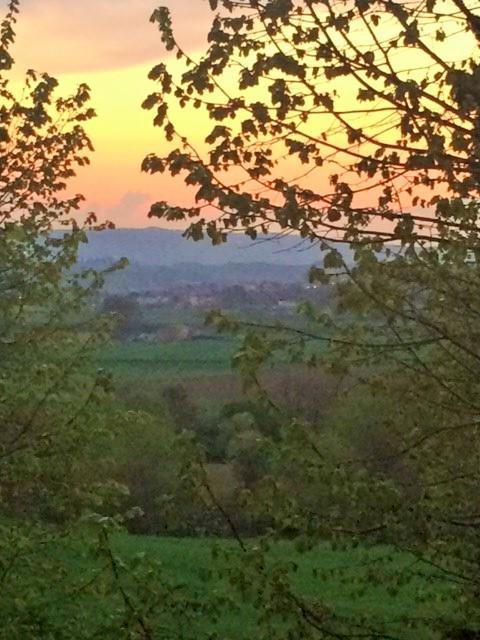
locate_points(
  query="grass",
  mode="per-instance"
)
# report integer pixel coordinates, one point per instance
(181, 358)
(188, 558)
(317, 580)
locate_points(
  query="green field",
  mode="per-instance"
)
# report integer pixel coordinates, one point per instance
(181, 358)
(316, 579)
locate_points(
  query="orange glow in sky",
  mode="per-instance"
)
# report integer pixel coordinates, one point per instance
(111, 46)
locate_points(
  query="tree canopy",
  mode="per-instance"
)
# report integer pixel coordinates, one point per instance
(55, 419)
(376, 101)
(354, 122)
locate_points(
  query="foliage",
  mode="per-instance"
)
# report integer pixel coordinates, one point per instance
(147, 459)
(375, 104)
(49, 394)
(56, 422)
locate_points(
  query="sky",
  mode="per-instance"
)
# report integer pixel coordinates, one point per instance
(111, 45)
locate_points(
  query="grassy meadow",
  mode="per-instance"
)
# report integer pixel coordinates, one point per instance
(325, 578)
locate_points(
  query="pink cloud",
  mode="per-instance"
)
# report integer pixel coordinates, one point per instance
(130, 211)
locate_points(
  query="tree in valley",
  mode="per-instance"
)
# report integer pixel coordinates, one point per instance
(126, 313)
(354, 123)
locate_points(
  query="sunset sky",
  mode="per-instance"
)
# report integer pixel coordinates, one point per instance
(110, 45)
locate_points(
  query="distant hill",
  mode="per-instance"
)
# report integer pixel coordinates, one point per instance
(162, 247)
(160, 258)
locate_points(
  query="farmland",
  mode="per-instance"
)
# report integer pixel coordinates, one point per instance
(178, 359)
